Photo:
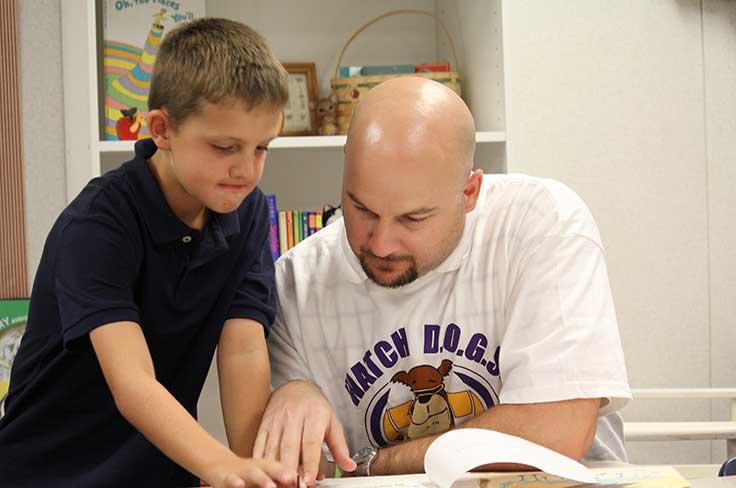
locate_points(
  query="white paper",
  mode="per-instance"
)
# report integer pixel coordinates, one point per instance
(396, 481)
(458, 451)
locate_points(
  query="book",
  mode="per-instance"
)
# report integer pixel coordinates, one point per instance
(13, 319)
(451, 456)
(348, 71)
(436, 67)
(273, 226)
(387, 70)
(283, 240)
(297, 224)
(132, 33)
(289, 229)
(305, 225)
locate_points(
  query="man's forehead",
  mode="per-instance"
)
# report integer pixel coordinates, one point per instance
(390, 204)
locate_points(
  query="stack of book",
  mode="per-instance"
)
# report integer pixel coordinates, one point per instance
(289, 227)
(348, 71)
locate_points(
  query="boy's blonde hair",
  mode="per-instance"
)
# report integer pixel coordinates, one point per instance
(215, 60)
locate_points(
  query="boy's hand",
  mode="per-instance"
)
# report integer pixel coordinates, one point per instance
(297, 420)
(251, 473)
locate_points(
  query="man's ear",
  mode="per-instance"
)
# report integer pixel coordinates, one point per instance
(160, 128)
(472, 189)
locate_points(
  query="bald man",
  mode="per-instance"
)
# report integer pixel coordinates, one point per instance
(443, 298)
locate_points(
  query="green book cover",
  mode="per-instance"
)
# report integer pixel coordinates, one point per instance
(13, 319)
(298, 227)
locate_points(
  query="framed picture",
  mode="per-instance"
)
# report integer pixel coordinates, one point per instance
(299, 113)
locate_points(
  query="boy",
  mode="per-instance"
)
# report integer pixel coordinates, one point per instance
(148, 270)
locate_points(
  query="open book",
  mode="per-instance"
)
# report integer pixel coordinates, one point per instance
(453, 454)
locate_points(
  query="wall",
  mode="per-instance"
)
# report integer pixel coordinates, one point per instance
(42, 112)
(618, 100)
(719, 39)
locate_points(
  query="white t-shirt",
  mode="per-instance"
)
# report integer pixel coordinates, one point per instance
(520, 312)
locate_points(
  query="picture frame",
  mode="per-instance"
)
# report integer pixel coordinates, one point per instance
(299, 113)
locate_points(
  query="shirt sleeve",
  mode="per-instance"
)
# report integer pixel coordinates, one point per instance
(254, 297)
(95, 270)
(287, 361)
(562, 339)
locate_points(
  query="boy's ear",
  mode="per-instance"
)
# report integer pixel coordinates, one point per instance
(159, 127)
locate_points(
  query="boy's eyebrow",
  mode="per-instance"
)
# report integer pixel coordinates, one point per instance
(418, 211)
(238, 140)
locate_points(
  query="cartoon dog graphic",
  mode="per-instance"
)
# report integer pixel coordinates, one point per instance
(430, 410)
(433, 410)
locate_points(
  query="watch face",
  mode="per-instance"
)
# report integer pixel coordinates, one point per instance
(364, 455)
(328, 454)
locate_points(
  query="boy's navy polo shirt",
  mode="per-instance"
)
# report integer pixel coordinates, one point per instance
(118, 253)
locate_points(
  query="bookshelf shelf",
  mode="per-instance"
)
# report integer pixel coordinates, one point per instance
(297, 142)
(304, 172)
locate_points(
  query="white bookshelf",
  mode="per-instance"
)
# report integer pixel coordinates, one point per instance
(306, 142)
(309, 31)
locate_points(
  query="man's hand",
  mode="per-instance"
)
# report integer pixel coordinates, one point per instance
(247, 473)
(297, 420)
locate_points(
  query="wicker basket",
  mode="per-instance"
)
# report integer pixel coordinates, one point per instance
(350, 90)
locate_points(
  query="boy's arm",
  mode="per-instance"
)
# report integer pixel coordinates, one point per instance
(243, 373)
(128, 369)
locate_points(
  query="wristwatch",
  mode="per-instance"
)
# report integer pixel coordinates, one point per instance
(363, 458)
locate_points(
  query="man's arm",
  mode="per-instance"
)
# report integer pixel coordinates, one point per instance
(567, 427)
(243, 373)
(128, 369)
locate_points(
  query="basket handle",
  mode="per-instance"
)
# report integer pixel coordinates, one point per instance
(389, 14)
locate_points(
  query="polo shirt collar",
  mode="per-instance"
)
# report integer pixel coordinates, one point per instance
(162, 222)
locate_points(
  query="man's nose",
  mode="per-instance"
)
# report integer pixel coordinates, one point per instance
(383, 240)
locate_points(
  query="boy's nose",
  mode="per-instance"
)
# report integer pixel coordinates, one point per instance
(243, 169)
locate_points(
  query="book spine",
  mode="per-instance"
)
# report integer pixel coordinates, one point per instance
(305, 225)
(435, 67)
(312, 223)
(273, 226)
(297, 223)
(283, 239)
(318, 221)
(347, 71)
(387, 70)
(289, 229)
